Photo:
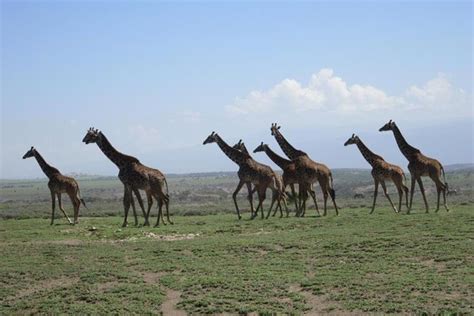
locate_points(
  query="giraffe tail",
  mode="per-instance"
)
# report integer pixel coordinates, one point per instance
(405, 188)
(167, 191)
(444, 178)
(81, 199)
(332, 193)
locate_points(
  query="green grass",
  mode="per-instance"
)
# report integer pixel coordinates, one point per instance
(385, 262)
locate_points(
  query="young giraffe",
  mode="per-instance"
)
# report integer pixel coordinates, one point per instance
(289, 172)
(277, 195)
(134, 176)
(382, 170)
(307, 172)
(419, 166)
(249, 171)
(59, 184)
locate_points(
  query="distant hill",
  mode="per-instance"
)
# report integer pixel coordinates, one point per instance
(221, 174)
(459, 166)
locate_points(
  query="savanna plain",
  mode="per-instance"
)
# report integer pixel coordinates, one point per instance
(209, 262)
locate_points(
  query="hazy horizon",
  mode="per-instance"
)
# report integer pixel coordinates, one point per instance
(158, 78)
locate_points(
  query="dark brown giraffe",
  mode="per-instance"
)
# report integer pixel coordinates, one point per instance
(381, 171)
(277, 195)
(307, 171)
(419, 166)
(134, 176)
(249, 171)
(289, 172)
(57, 185)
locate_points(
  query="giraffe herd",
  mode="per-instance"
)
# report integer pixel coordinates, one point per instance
(298, 168)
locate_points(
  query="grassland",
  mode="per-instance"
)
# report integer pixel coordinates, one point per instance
(213, 263)
(386, 262)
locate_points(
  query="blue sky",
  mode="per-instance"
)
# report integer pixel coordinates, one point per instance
(158, 77)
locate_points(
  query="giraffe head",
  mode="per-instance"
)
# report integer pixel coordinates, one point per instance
(274, 129)
(260, 147)
(211, 138)
(92, 136)
(239, 146)
(29, 153)
(353, 140)
(387, 127)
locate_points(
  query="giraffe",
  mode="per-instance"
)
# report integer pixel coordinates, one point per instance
(289, 171)
(419, 166)
(249, 171)
(57, 185)
(307, 171)
(277, 195)
(134, 176)
(381, 171)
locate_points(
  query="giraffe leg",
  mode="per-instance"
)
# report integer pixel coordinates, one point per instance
(300, 200)
(160, 213)
(234, 196)
(303, 196)
(438, 191)
(400, 198)
(398, 181)
(271, 205)
(306, 197)
(149, 198)
(126, 204)
(261, 197)
(62, 209)
(286, 207)
(293, 192)
(278, 196)
(279, 207)
(325, 196)
(250, 196)
(76, 202)
(376, 191)
(387, 196)
(264, 195)
(313, 195)
(422, 189)
(444, 199)
(406, 191)
(53, 206)
(132, 201)
(412, 191)
(259, 205)
(440, 188)
(140, 203)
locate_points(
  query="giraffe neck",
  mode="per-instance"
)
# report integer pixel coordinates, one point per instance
(367, 153)
(119, 159)
(407, 150)
(244, 149)
(48, 170)
(277, 159)
(290, 151)
(234, 154)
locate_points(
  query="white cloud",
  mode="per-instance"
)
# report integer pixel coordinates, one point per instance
(437, 92)
(329, 93)
(144, 137)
